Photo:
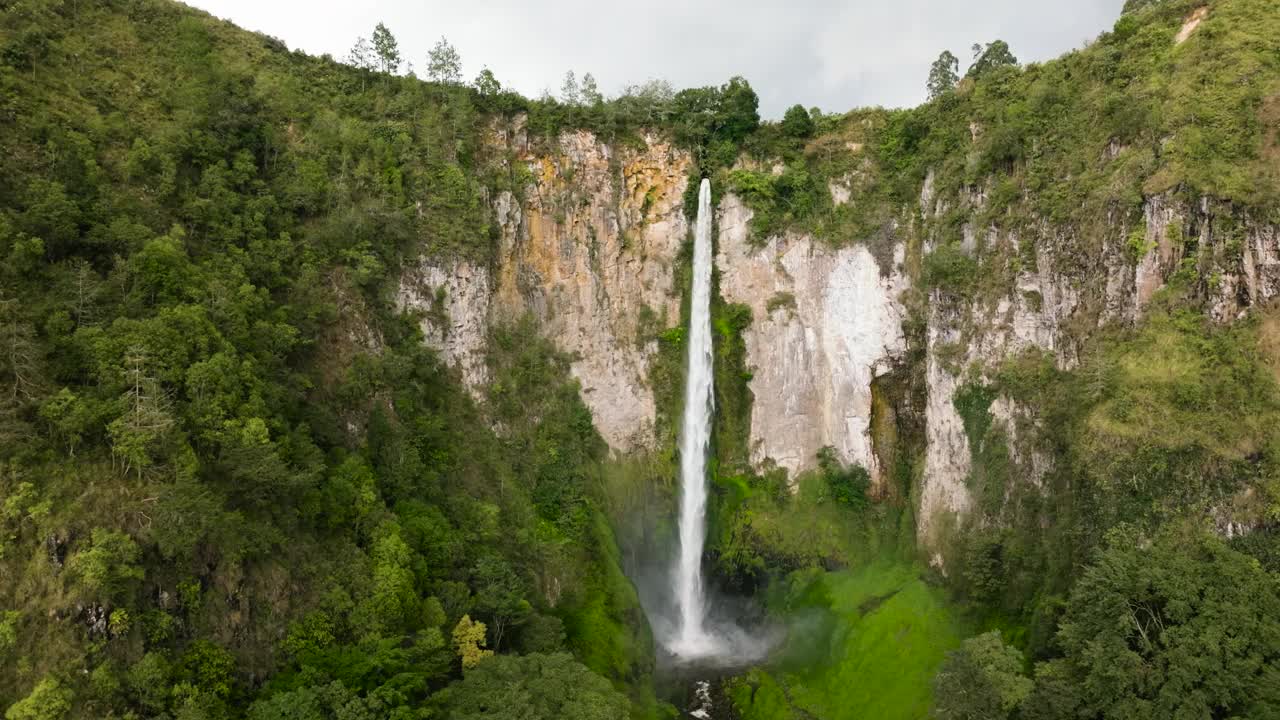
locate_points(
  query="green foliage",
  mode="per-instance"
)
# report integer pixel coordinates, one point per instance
(386, 48)
(1177, 626)
(713, 121)
(392, 602)
(536, 687)
(208, 668)
(777, 201)
(1182, 413)
(444, 64)
(109, 567)
(8, 630)
(951, 269)
(49, 700)
(758, 696)
(469, 642)
(987, 59)
(796, 123)
(542, 634)
(848, 485)
(211, 391)
(861, 643)
(780, 301)
(487, 84)
(982, 680)
(500, 596)
(943, 75)
(206, 385)
(326, 702)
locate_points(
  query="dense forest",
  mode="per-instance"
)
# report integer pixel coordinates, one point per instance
(236, 483)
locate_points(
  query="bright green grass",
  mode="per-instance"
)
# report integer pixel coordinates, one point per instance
(841, 663)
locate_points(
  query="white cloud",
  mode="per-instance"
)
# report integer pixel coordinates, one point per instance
(836, 55)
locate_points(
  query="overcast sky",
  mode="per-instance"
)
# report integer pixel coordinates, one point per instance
(831, 53)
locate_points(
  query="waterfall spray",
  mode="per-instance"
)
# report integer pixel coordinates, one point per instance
(692, 638)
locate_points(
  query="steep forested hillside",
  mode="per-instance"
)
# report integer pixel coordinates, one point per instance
(235, 481)
(232, 472)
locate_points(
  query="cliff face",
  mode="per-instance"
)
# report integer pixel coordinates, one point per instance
(589, 248)
(826, 322)
(1068, 294)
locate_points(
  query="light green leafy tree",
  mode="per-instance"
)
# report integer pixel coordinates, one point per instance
(361, 54)
(469, 642)
(570, 93)
(386, 49)
(589, 91)
(146, 422)
(444, 64)
(110, 566)
(49, 700)
(486, 84)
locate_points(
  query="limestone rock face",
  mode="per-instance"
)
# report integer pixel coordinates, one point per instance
(943, 489)
(588, 250)
(826, 322)
(590, 253)
(453, 299)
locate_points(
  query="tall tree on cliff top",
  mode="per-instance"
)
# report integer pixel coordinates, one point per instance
(944, 74)
(444, 64)
(387, 49)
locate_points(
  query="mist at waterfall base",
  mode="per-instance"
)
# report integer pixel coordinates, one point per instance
(692, 625)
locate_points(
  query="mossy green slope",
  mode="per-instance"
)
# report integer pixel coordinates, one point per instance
(863, 643)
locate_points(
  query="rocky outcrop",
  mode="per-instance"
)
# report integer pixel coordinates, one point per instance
(453, 302)
(827, 322)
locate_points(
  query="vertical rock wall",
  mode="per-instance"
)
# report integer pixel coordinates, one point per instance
(826, 322)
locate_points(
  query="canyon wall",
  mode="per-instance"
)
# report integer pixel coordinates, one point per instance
(589, 248)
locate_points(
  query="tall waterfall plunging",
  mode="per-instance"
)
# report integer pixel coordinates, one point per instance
(691, 637)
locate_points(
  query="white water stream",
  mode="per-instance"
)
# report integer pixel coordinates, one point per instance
(691, 638)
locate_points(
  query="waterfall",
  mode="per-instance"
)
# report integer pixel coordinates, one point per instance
(691, 638)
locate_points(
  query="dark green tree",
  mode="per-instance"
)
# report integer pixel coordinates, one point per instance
(796, 122)
(533, 687)
(983, 680)
(499, 596)
(848, 484)
(1179, 626)
(739, 109)
(994, 55)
